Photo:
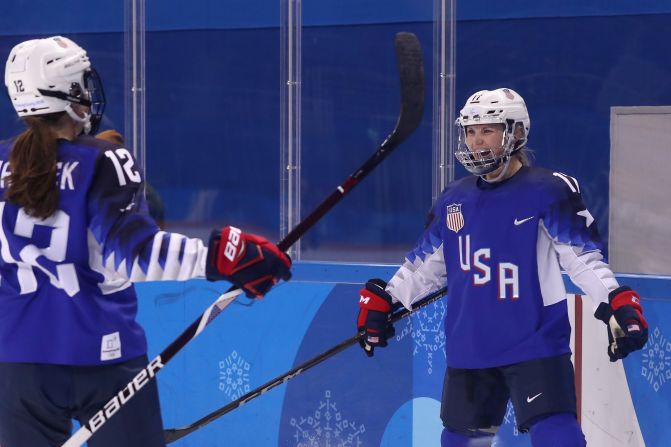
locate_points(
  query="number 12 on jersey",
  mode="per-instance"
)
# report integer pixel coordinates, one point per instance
(124, 171)
(64, 275)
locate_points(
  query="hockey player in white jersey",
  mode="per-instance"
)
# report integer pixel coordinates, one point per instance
(75, 234)
(499, 239)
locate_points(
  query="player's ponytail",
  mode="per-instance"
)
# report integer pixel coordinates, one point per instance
(525, 156)
(32, 162)
(523, 153)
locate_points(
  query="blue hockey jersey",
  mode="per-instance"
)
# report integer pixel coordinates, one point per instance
(500, 248)
(66, 294)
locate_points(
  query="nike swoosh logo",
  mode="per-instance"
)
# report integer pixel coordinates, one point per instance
(520, 222)
(128, 208)
(531, 399)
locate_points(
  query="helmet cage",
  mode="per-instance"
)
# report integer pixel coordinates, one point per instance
(504, 107)
(91, 95)
(484, 161)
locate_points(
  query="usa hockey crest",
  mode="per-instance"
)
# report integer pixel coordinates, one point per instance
(455, 220)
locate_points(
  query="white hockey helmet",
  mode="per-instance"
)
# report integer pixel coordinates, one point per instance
(500, 106)
(49, 75)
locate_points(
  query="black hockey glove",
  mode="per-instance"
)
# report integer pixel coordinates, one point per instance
(248, 261)
(627, 329)
(375, 306)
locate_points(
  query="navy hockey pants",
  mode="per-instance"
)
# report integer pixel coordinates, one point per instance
(39, 401)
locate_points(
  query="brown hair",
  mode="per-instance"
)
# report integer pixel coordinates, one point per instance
(525, 156)
(111, 136)
(32, 180)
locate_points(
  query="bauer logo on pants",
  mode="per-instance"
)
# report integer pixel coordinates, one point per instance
(455, 220)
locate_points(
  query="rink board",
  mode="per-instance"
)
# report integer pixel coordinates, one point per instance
(391, 399)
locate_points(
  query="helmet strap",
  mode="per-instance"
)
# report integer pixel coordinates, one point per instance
(501, 174)
(85, 120)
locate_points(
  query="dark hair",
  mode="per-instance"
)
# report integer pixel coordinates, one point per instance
(32, 180)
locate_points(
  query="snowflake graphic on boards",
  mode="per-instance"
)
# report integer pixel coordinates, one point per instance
(426, 329)
(234, 375)
(326, 427)
(657, 360)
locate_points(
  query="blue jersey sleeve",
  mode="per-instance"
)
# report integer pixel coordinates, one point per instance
(575, 238)
(429, 240)
(127, 237)
(567, 219)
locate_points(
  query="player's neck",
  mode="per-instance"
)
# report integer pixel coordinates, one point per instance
(67, 130)
(504, 172)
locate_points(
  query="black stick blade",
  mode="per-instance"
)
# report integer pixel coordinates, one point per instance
(411, 71)
(411, 74)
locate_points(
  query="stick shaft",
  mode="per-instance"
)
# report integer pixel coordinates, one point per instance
(411, 70)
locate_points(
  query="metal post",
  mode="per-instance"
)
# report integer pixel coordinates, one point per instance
(134, 86)
(290, 119)
(444, 77)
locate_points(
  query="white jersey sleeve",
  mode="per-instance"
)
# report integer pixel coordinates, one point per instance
(423, 270)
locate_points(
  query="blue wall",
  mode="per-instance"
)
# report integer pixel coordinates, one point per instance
(570, 71)
(203, 14)
(213, 118)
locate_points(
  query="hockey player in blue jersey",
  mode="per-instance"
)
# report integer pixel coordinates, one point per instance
(74, 235)
(498, 239)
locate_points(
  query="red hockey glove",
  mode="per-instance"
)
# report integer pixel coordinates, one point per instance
(374, 311)
(627, 329)
(248, 261)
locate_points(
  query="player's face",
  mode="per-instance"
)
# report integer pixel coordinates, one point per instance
(481, 137)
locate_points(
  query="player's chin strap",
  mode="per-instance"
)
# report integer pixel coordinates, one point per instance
(501, 174)
(506, 165)
(85, 120)
(72, 99)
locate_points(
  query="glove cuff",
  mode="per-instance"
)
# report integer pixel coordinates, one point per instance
(613, 293)
(211, 272)
(603, 312)
(624, 296)
(377, 287)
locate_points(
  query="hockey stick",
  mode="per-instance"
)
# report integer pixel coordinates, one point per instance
(173, 434)
(409, 58)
